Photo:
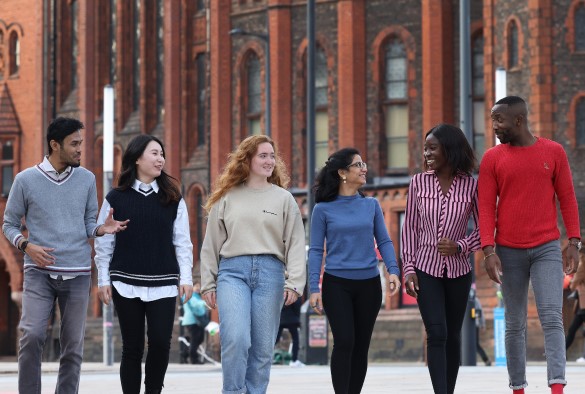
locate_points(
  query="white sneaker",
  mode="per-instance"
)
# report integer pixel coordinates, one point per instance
(296, 364)
(581, 360)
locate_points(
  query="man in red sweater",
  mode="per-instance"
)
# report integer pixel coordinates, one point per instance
(520, 181)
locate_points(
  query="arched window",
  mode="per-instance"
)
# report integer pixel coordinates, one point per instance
(2, 61)
(580, 122)
(201, 64)
(321, 107)
(512, 45)
(396, 106)
(254, 94)
(74, 43)
(478, 94)
(160, 59)
(14, 45)
(580, 27)
(136, 57)
(6, 165)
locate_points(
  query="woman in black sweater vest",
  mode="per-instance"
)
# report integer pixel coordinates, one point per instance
(144, 271)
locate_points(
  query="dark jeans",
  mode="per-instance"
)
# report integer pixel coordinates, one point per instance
(294, 334)
(352, 307)
(159, 316)
(575, 324)
(442, 303)
(197, 334)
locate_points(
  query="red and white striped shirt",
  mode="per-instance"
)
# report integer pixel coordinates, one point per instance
(432, 215)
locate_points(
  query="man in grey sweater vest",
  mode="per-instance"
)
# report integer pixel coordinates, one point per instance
(58, 201)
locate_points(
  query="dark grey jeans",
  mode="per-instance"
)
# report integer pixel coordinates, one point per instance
(542, 266)
(38, 298)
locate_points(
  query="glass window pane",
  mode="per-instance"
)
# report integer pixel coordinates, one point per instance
(7, 179)
(580, 122)
(397, 136)
(580, 28)
(201, 69)
(254, 127)
(160, 61)
(477, 67)
(321, 138)
(7, 151)
(2, 55)
(513, 45)
(136, 57)
(396, 70)
(254, 85)
(479, 129)
(74, 42)
(321, 78)
(113, 41)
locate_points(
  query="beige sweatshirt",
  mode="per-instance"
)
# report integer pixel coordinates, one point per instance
(250, 222)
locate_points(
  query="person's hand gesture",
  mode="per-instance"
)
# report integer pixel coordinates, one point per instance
(105, 294)
(210, 299)
(394, 284)
(493, 267)
(112, 226)
(316, 303)
(411, 283)
(41, 255)
(185, 292)
(447, 247)
(290, 297)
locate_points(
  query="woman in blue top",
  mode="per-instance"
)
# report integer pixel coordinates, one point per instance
(348, 225)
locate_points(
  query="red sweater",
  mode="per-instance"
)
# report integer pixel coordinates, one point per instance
(524, 184)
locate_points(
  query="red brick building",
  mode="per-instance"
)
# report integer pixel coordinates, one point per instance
(386, 72)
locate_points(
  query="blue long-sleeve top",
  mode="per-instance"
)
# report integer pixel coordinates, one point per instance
(348, 228)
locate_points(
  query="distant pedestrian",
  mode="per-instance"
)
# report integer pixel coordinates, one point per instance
(522, 176)
(290, 318)
(254, 233)
(145, 269)
(348, 225)
(195, 319)
(57, 199)
(480, 326)
(577, 284)
(436, 247)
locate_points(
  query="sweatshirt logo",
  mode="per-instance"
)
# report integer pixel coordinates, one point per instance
(546, 167)
(265, 211)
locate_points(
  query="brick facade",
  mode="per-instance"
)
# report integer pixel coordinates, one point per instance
(202, 123)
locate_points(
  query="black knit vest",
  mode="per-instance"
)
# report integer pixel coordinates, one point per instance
(144, 254)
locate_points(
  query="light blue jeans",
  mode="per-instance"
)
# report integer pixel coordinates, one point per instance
(249, 297)
(543, 267)
(38, 300)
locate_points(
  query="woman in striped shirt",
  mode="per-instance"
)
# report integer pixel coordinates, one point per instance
(436, 247)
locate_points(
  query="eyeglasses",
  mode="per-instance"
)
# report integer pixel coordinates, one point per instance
(359, 164)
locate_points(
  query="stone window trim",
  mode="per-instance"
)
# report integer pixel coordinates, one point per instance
(572, 120)
(513, 21)
(570, 38)
(378, 69)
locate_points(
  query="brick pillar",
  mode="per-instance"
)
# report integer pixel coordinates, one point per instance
(490, 64)
(86, 69)
(540, 41)
(437, 63)
(352, 74)
(172, 87)
(221, 89)
(279, 24)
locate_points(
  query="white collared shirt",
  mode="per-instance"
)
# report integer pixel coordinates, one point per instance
(104, 248)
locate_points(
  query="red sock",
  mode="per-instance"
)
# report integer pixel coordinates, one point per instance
(519, 391)
(556, 388)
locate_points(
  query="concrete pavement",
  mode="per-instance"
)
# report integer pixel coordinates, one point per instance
(382, 378)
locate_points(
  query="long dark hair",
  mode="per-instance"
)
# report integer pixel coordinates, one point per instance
(327, 182)
(168, 186)
(456, 149)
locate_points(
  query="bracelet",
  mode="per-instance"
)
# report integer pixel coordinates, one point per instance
(488, 255)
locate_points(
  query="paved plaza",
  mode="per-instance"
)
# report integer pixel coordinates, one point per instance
(382, 378)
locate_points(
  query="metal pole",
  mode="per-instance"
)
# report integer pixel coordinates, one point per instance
(501, 89)
(268, 106)
(310, 108)
(108, 156)
(468, 332)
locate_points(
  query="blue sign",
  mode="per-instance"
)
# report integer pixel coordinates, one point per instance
(499, 337)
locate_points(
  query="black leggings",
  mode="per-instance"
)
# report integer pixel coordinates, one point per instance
(442, 303)
(160, 317)
(351, 307)
(575, 324)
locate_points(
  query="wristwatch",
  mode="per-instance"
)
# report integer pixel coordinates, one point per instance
(576, 244)
(23, 246)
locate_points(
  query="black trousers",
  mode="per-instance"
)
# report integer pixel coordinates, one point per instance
(197, 334)
(351, 307)
(575, 324)
(294, 335)
(159, 316)
(442, 303)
